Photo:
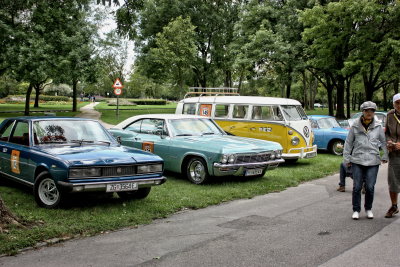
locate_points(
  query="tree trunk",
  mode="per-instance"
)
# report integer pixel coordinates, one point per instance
(288, 88)
(27, 99)
(37, 90)
(74, 95)
(340, 88)
(396, 86)
(385, 106)
(329, 89)
(348, 98)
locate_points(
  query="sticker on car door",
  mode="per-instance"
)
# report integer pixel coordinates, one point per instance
(148, 146)
(15, 161)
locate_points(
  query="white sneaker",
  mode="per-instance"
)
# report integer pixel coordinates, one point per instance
(370, 215)
(356, 215)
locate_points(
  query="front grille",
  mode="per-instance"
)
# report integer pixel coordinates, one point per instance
(118, 171)
(253, 158)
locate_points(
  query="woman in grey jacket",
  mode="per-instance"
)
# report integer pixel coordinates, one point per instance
(361, 151)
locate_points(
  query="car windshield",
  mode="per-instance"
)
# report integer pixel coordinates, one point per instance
(69, 131)
(328, 123)
(193, 126)
(293, 113)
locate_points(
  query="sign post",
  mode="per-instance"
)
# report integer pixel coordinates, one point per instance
(117, 91)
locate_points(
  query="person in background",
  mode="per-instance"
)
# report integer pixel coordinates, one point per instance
(346, 171)
(361, 152)
(393, 143)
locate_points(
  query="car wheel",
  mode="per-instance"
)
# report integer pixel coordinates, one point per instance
(138, 194)
(46, 192)
(196, 170)
(337, 147)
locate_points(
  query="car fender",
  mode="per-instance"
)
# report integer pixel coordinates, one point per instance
(185, 157)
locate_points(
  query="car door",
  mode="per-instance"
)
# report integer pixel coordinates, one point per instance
(150, 135)
(17, 161)
(5, 133)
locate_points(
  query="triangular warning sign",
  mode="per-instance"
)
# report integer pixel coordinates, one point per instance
(117, 84)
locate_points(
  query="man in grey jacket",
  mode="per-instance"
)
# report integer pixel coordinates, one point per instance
(361, 151)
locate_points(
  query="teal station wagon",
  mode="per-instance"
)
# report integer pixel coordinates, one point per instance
(197, 147)
(57, 156)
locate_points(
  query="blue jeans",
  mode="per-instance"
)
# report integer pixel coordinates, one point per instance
(344, 172)
(369, 173)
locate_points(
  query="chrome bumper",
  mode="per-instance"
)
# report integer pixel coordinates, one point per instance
(296, 153)
(239, 169)
(101, 186)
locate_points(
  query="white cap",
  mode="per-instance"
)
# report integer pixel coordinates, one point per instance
(368, 105)
(396, 97)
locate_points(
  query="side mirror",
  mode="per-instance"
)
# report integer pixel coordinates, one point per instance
(119, 140)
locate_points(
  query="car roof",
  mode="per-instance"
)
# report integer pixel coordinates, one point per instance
(158, 116)
(259, 100)
(317, 117)
(29, 118)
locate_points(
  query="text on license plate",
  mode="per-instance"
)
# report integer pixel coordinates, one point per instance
(251, 172)
(121, 187)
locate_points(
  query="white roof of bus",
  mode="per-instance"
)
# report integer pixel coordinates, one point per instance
(255, 100)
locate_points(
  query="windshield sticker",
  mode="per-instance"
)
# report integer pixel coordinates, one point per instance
(148, 146)
(15, 161)
(205, 110)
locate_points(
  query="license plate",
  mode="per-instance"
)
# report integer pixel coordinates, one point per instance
(121, 187)
(311, 155)
(252, 172)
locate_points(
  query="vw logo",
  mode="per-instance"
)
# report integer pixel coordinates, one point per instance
(306, 131)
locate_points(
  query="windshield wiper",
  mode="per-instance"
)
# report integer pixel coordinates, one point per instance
(104, 142)
(184, 135)
(208, 133)
(287, 113)
(81, 141)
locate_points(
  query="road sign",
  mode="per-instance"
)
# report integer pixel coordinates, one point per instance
(117, 84)
(117, 91)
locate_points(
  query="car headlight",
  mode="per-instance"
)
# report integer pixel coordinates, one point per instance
(278, 154)
(224, 159)
(84, 172)
(295, 140)
(151, 168)
(273, 155)
(231, 159)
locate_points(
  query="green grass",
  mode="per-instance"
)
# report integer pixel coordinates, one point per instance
(88, 215)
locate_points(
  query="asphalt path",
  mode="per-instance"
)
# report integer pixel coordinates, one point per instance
(307, 225)
(89, 112)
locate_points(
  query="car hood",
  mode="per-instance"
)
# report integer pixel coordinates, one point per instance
(228, 144)
(100, 155)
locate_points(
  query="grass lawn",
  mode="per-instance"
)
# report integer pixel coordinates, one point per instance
(88, 215)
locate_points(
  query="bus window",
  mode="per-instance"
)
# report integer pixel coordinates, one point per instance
(189, 108)
(221, 111)
(292, 113)
(277, 114)
(240, 111)
(263, 113)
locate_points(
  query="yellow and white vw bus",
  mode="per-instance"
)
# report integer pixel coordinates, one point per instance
(281, 120)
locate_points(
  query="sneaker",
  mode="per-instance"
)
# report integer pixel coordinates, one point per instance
(370, 215)
(355, 215)
(341, 188)
(392, 211)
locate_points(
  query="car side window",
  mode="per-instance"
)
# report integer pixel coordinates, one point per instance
(240, 111)
(6, 130)
(134, 127)
(189, 108)
(221, 111)
(20, 134)
(153, 126)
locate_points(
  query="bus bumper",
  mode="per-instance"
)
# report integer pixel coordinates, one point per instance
(300, 153)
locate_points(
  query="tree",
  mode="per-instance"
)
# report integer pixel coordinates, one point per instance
(175, 49)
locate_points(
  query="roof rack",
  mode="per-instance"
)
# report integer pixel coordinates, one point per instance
(209, 91)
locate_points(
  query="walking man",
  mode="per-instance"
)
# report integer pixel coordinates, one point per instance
(393, 144)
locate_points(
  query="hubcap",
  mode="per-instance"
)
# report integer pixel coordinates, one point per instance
(338, 148)
(197, 171)
(48, 192)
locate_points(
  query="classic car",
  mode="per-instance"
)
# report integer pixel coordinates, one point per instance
(197, 147)
(328, 134)
(379, 116)
(57, 156)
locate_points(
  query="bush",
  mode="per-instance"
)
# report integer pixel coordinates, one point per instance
(19, 99)
(149, 101)
(122, 102)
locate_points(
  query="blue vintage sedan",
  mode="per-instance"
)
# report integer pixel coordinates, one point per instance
(328, 134)
(57, 156)
(197, 147)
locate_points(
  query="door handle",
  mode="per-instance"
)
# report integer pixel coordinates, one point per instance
(253, 128)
